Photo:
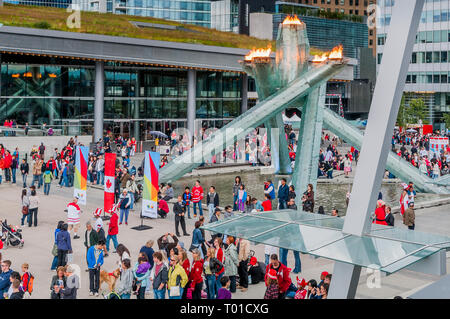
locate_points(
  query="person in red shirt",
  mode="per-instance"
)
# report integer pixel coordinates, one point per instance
(7, 166)
(380, 213)
(220, 257)
(284, 281)
(267, 204)
(163, 208)
(113, 230)
(197, 196)
(195, 275)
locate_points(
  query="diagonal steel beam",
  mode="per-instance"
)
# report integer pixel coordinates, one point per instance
(380, 125)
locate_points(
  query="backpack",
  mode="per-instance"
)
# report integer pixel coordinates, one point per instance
(29, 287)
(215, 265)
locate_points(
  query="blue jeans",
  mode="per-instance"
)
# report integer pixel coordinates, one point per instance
(267, 258)
(132, 200)
(23, 219)
(89, 176)
(70, 180)
(41, 180)
(211, 286)
(159, 294)
(188, 209)
(283, 259)
(65, 181)
(46, 188)
(218, 284)
(282, 204)
(177, 297)
(211, 209)
(13, 175)
(54, 263)
(125, 296)
(35, 179)
(235, 206)
(330, 174)
(199, 204)
(24, 180)
(124, 211)
(114, 239)
(100, 177)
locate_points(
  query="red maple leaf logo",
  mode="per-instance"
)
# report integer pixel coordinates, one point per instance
(108, 183)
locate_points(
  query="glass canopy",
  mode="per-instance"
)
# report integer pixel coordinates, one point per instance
(385, 248)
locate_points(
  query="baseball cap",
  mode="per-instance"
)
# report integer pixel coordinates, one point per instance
(272, 274)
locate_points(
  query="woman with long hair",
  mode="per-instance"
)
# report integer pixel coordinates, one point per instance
(195, 275)
(308, 199)
(25, 206)
(123, 253)
(236, 186)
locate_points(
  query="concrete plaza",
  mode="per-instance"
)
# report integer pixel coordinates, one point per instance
(39, 241)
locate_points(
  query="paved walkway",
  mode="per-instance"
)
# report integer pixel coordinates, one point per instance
(39, 241)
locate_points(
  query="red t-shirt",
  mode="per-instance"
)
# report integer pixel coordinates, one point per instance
(113, 225)
(267, 205)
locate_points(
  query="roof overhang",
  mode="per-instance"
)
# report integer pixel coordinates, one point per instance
(121, 49)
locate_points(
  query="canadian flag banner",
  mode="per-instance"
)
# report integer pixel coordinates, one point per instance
(110, 170)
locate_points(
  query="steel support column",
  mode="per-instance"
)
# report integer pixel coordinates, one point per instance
(380, 125)
(244, 93)
(191, 102)
(136, 124)
(308, 145)
(99, 100)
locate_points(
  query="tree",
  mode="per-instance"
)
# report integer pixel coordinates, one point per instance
(412, 113)
(401, 120)
(447, 120)
(416, 111)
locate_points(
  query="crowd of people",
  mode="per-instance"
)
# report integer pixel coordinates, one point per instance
(416, 149)
(209, 268)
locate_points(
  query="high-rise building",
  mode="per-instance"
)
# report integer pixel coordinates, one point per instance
(429, 71)
(196, 12)
(347, 7)
(47, 3)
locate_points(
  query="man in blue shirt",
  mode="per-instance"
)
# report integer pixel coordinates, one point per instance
(283, 194)
(95, 261)
(4, 278)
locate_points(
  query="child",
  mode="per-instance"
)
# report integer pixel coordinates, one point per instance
(242, 197)
(291, 192)
(48, 176)
(267, 204)
(141, 270)
(272, 291)
(187, 197)
(301, 292)
(27, 279)
(223, 292)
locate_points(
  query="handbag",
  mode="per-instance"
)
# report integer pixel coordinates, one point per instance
(55, 250)
(25, 210)
(175, 291)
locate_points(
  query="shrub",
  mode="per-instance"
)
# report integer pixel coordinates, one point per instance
(42, 25)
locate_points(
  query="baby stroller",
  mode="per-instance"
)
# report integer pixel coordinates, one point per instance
(11, 236)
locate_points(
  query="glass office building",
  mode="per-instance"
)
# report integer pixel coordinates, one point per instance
(429, 70)
(196, 12)
(61, 92)
(46, 3)
(325, 34)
